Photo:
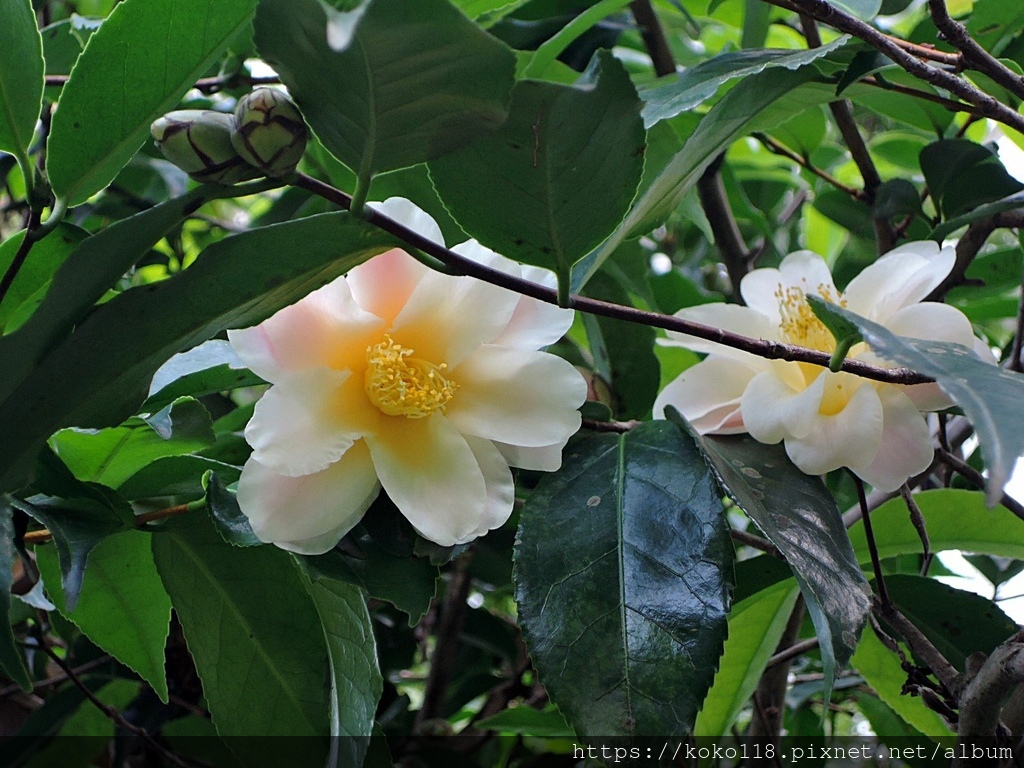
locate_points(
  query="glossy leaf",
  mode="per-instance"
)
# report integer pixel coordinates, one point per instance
(252, 629)
(568, 162)
(232, 525)
(962, 175)
(175, 476)
(549, 51)
(546, 723)
(35, 275)
(211, 367)
(390, 83)
(755, 629)
(123, 607)
(623, 573)
(100, 374)
(104, 115)
(697, 84)
(12, 661)
(1008, 203)
(799, 516)
(63, 42)
(21, 76)
(989, 395)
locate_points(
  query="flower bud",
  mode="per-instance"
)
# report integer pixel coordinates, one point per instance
(269, 131)
(199, 142)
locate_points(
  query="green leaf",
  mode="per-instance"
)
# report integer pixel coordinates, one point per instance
(211, 367)
(63, 42)
(12, 662)
(863, 9)
(253, 631)
(697, 84)
(1008, 203)
(100, 374)
(175, 476)
(34, 277)
(111, 456)
(962, 175)
(390, 83)
(232, 525)
(799, 516)
(356, 681)
(549, 51)
(21, 77)
(527, 721)
(123, 607)
(623, 573)
(896, 197)
(989, 395)
(104, 115)
(755, 629)
(568, 162)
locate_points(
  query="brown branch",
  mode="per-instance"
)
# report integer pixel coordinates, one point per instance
(778, 148)
(797, 649)
(970, 244)
(869, 536)
(982, 701)
(917, 520)
(11, 273)
(975, 478)
(728, 238)
(756, 542)
(204, 84)
(906, 90)
(770, 697)
(44, 535)
(618, 427)
(653, 36)
(929, 52)
(945, 672)
(58, 679)
(461, 265)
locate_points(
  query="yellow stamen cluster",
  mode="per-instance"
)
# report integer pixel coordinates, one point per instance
(402, 385)
(799, 323)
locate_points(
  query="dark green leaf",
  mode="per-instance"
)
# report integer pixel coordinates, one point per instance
(232, 525)
(100, 374)
(12, 662)
(863, 64)
(994, 24)
(63, 42)
(962, 175)
(698, 84)
(175, 476)
(989, 395)
(799, 516)
(21, 76)
(854, 215)
(253, 631)
(998, 570)
(623, 573)
(897, 197)
(213, 366)
(545, 723)
(104, 115)
(568, 162)
(1008, 203)
(123, 607)
(29, 287)
(391, 83)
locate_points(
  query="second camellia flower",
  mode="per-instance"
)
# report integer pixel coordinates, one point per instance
(398, 376)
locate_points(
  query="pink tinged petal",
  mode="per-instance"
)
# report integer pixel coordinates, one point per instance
(906, 447)
(311, 512)
(325, 329)
(850, 438)
(708, 395)
(384, 284)
(298, 427)
(729, 317)
(517, 396)
(433, 476)
(902, 277)
(545, 458)
(773, 409)
(501, 489)
(933, 322)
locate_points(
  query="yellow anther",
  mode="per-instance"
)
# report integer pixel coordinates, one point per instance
(799, 323)
(402, 385)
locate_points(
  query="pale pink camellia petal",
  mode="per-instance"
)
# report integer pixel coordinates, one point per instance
(516, 396)
(903, 276)
(318, 331)
(773, 410)
(501, 489)
(544, 458)
(803, 270)
(708, 394)
(303, 513)
(906, 448)
(729, 317)
(383, 284)
(849, 438)
(433, 476)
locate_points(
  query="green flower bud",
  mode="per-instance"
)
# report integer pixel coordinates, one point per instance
(270, 133)
(199, 142)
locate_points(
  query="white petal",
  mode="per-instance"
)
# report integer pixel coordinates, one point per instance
(729, 317)
(410, 215)
(534, 323)
(933, 322)
(433, 477)
(850, 438)
(297, 427)
(325, 329)
(545, 458)
(805, 270)
(927, 397)
(758, 291)
(305, 513)
(901, 277)
(906, 448)
(773, 409)
(708, 394)
(517, 396)
(501, 489)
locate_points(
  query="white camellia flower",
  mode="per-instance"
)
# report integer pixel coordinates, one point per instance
(827, 420)
(399, 376)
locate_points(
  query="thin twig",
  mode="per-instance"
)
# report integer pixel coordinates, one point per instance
(610, 426)
(869, 535)
(11, 273)
(756, 542)
(975, 478)
(945, 672)
(653, 36)
(778, 148)
(44, 535)
(929, 52)
(728, 238)
(1016, 364)
(39, 685)
(917, 519)
(797, 649)
(917, 93)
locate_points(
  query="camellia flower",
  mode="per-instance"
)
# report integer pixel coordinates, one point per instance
(399, 376)
(827, 420)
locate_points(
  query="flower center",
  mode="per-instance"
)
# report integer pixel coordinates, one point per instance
(402, 385)
(799, 323)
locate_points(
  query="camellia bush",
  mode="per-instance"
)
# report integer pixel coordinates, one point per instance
(494, 382)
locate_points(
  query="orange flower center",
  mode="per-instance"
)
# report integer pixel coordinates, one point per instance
(400, 384)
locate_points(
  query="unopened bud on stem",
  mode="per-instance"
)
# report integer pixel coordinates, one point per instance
(269, 131)
(199, 142)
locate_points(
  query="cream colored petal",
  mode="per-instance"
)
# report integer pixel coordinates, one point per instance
(433, 476)
(501, 489)
(534, 323)
(928, 397)
(410, 215)
(773, 410)
(305, 513)
(729, 317)
(708, 394)
(804, 270)
(298, 426)
(850, 438)
(545, 458)
(758, 291)
(906, 447)
(325, 329)
(901, 277)
(517, 396)
(933, 322)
